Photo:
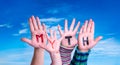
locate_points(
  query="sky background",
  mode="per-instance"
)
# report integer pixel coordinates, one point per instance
(14, 16)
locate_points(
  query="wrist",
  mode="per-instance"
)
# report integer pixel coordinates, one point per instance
(69, 48)
(56, 59)
(65, 55)
(38, 50)
(52, 54)
(82, 50)
(81, 57)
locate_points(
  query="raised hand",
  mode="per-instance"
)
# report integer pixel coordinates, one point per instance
(53, 48)
(86, 39)
(53, 43)
(69, 41)
(38, 33)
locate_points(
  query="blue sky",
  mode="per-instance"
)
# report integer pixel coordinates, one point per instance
(14, 16)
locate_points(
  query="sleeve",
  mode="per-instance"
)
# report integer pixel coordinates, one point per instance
(65, 55)
(79, 58)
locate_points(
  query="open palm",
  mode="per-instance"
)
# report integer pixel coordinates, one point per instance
(86, 39)
(37, 30)
(53, 43)
(72, 41)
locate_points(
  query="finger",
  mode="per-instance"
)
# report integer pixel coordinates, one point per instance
(76, 28)
(85, 26)
(55, 35)
(92, 28)
(51, 33)
(26, 40)
(81, 30)
(66, 26)
(89, 25)
(44, 27)
(72, 25)
(60, 31)
(61, 38)
(98, 39)
(38, 22)
(34, 23)
(80, 42)
(31, 25)
(47, 36)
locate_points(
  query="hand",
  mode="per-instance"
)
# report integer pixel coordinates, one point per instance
(69, 41)
(53, 48)
(37, 31)
(53, 43)
(86, 39)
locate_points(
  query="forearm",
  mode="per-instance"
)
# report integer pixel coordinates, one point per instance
(38, 57)
(65, 55)
(56, 59)
(80, 58)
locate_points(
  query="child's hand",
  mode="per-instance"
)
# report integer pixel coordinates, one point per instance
(53, 47)
(37, 33)
(69, 41)
(86, 39)
(53, 43)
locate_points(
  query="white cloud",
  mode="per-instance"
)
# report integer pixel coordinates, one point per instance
(108, 47)
(51, 19)
(109, 34)
(22, 31)
(48, 21)
(53, 11)
(20, 56)
(24, 25)
(53, 28)
(63, 8)
(5, 25)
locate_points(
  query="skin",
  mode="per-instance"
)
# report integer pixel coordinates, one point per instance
(87, 30)
(53, 45)
(53, 48)
(36, 29)
(71, 32)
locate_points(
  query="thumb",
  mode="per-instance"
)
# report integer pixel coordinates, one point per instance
(26, 40)
(98, 39)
